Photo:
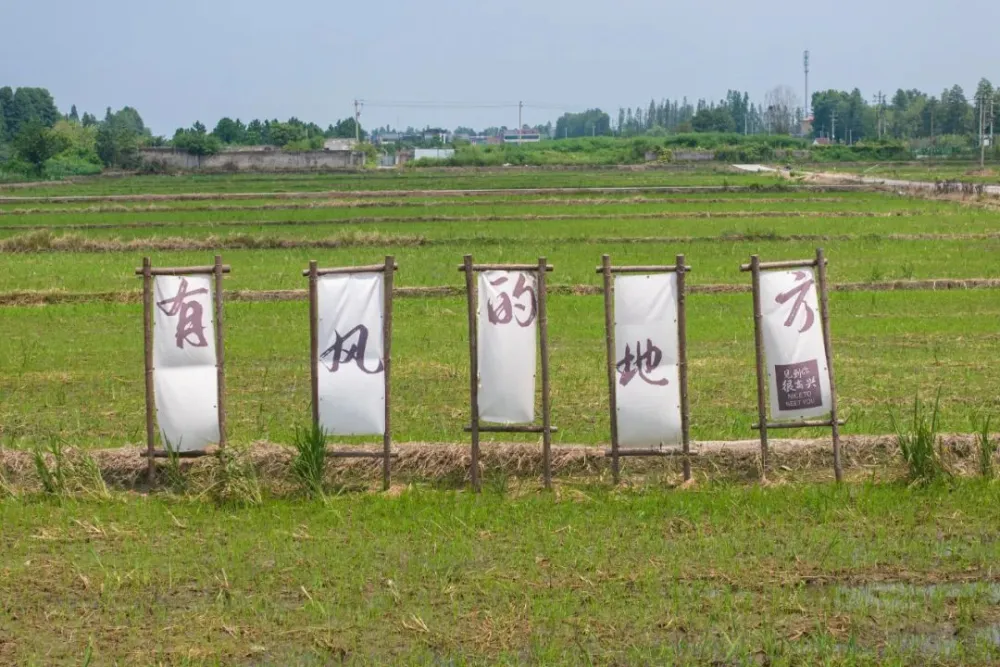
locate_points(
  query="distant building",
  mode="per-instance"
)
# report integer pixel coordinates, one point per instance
(433, 153)
(387, 138)
(338, 145)
(806, 126)
(524, 137)
(437, 134)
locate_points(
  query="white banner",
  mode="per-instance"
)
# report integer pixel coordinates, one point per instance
(508, 310)
(351, 366)
(184, 373)
(797, 373)
(647, 388)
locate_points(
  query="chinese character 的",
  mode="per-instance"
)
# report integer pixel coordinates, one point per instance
(503, 312)
(190, 316)
(799, 292)
(339, 353)
(641, 363)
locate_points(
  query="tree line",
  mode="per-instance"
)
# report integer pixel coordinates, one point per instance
(837, 115)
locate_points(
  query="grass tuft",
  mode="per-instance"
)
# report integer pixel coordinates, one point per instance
(987, 449)
(89, 480)
(235, 481)
(310, 458)
(53, 478)
(174, 475)
(919, 443)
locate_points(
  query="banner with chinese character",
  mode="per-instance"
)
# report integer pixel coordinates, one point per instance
(351, 363)
(184, 374)
(647, 392)
(798, 378)
(508, 308)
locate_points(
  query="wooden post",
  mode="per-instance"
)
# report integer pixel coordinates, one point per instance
(470, 287)
(682, 364)
(147, 333)
(220, 352)
(543, 344)
(387, 282)
(824, 307)
(761, 377)
(609, 339)
(314, 341)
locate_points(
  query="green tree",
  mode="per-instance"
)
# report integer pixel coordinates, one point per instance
(73, 115)
(345, 129)
(35, 143)
(6, 112)
(230, 131)
(88, 120)
(717, 119)
(117, 146)
(196, 140)
(592, 122)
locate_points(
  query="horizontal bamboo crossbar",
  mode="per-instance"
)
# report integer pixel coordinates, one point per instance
(361, 455)
(506, 267)
(512, 429)
(370, 268)
(789, 264)
(196, 454)
(648, 452)
(644, 269)
(182, 270)
(804, 423)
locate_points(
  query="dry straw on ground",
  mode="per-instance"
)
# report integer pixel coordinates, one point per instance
(437, 463)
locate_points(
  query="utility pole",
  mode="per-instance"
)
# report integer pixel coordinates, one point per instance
(833, 124)
(982, 132)
(805, 62)
(520, 108)
(357, 121)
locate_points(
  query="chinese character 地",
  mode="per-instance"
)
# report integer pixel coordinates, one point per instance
(503, 311)
(800, 292)
(642, 363)
(340, 353)
(189, 314)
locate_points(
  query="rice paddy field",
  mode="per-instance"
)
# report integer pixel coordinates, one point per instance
(803, 571)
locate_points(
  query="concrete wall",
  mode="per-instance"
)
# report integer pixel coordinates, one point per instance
(254, 160)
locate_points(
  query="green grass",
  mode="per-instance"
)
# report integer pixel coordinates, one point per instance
(714, 261)
(75, 371)
(396, 180)
(967, 171)
(801, 574)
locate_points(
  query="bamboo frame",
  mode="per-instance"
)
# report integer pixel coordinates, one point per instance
(763, 425)
(387, 269)
(546, 429)
(616, 452)
(147, 272)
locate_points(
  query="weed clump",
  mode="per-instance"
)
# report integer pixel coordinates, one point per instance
(918, 444)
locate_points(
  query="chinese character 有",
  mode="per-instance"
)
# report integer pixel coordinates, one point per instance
(189, 314)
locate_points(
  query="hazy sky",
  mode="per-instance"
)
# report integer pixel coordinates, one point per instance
(178, 61)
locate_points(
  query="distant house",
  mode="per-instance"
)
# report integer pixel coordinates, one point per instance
(523, 136)
(806, 126)
(821, 141)
(436, 133)
(388, 138)
(338, 145)
(433, 153)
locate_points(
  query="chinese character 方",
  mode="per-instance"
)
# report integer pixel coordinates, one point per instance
(799, 292)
